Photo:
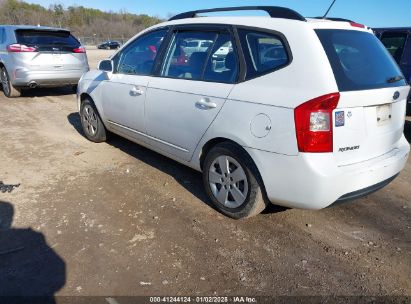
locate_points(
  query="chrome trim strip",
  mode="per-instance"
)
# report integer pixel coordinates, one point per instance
(148, 136)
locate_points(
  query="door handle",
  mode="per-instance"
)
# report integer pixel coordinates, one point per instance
(205, 103)
(135, 91)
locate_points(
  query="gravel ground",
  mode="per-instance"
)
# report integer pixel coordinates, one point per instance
(117, 219)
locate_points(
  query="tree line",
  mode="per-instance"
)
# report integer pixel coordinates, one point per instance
(83, 22)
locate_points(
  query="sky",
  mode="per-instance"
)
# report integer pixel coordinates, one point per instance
(374, 13)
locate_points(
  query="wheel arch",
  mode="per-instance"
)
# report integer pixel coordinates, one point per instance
(83, 96)
(215, 141)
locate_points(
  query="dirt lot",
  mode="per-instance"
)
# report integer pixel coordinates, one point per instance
(119, 219)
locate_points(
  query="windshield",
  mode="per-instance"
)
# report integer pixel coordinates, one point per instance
(359, 60)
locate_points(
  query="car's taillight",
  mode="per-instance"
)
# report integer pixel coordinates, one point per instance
(19, 48)
(80, 49)
(314, 124)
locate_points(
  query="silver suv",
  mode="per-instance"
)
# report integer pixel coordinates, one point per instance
(33, 57)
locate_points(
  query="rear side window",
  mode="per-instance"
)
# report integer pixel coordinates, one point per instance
(264, 52)
(222, 65)
(46, 38)
(394, 42)
(359, 60)
(187, 55)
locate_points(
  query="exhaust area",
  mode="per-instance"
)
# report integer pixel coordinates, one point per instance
(33, 85)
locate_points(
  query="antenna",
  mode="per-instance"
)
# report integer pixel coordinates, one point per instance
(326, 13)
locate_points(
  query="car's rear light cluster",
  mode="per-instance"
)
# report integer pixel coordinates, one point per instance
(20, 48)
(314, 124)
(80, 49)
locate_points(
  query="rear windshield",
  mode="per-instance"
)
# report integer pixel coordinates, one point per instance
(359, 60)
(46, 38)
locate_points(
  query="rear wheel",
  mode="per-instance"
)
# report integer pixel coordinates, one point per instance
(8, 89)
(91, 122)
(233, 182)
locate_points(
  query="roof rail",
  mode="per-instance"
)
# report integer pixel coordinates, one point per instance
(273, 11)
(334, 19)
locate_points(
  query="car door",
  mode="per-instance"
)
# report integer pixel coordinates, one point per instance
(123, 94)
(187, 95)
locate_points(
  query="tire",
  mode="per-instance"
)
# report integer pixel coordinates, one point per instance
(224, 186)
(8, 89)
(91, 122)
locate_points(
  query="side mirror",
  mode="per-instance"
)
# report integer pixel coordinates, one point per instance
(105, 65)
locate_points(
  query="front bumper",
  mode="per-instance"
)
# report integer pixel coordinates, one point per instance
(314, 181)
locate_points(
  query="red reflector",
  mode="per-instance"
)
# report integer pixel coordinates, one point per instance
(19, 48)
(80, 49)
(313, 123)
(355, 24)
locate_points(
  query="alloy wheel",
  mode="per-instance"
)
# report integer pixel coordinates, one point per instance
(228, 181)
(89, 119)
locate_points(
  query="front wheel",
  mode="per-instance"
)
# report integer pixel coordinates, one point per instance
(91, 122)
(232, 181)
(8, 89)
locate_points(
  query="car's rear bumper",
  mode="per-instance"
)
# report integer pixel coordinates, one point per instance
(24, 77)
(314, 181)
(364, 192)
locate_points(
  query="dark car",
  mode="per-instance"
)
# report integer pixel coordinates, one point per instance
(109, 45)
(397, 41)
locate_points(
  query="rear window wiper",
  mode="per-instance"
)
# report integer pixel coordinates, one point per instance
(395, 79)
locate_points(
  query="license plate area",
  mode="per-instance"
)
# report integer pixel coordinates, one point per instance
(57, 58)
(384, 114)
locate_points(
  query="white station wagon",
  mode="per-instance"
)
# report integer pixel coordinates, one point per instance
(300, 112)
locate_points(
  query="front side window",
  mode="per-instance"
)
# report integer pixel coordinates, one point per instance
(139, 56)
(187, 54)
(394, 42)
(264, 52)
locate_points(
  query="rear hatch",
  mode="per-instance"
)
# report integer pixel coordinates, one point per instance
(50, 50)
(369, 119)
